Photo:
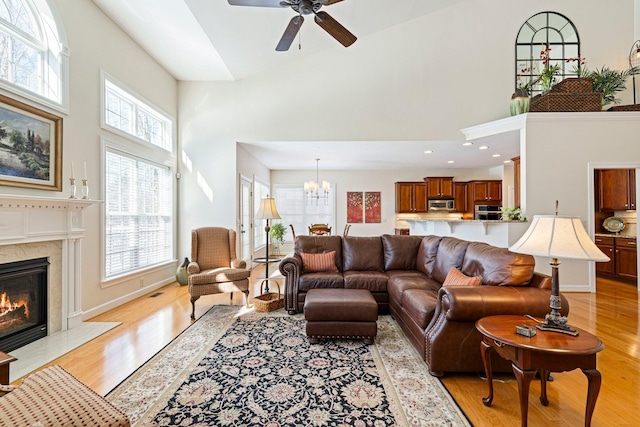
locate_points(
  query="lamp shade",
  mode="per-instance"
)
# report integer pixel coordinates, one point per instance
(267, 209)
(558, 237)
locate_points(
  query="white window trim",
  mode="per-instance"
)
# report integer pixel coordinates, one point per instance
(103, 123)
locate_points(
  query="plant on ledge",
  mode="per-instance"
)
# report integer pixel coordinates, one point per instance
(609, 82)
(512, 214)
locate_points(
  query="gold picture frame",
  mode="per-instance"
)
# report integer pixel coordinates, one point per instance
(30, 146)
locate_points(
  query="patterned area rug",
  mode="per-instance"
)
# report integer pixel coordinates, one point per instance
(237, 367)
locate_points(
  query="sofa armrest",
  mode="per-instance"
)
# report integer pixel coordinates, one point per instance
(238, 263)
(471, 303)
(291, 269)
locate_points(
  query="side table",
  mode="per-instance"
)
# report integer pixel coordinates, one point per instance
(5, 361)
(266, 277)
(545, 352)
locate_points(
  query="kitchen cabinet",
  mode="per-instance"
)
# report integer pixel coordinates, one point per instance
(616, 189)
(411, 197)
(486, 191)
(439, 186)
(460, 196)
(623, 257)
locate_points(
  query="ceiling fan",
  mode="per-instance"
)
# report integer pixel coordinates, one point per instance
(304, 7)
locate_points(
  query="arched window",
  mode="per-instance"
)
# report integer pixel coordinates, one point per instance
(33, 52)
(546, 40)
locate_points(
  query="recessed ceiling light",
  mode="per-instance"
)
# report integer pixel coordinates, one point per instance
(428, 151)
(495, 155)
(466, 144)
(507, 161)
(483, 147)
(450, 161)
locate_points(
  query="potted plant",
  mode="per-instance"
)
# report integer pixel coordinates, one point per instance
(608, 82)
(512, 214)
(277, 232)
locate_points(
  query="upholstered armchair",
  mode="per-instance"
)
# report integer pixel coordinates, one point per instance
(214, 268)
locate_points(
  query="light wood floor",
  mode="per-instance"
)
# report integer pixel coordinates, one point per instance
(150, 322)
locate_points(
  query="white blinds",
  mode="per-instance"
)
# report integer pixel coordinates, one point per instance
(139, 214)
(290, 200)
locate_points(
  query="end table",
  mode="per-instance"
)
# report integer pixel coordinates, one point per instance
(544, 352)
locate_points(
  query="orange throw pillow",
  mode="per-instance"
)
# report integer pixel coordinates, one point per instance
(312, 263)
(456, 278)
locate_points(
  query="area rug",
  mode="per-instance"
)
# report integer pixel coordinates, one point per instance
(238, 367)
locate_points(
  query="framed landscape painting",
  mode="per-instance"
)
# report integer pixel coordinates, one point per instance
(30, 146)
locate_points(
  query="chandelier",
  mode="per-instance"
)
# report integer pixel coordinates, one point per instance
(314, 191)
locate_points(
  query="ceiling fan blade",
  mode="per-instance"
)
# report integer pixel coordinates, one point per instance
(290, 33)
(328, 2)
(334, 28)
(257, 3)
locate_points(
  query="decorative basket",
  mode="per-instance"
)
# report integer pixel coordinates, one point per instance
(268, 301)
(574, 84)
(566, 101)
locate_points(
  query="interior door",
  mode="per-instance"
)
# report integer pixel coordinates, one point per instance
(246, 219)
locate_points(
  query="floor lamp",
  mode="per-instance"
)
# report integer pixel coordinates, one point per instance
(556, 237)
(267, 211)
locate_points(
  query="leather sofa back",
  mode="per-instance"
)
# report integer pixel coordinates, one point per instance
(427, 254)
(497, 266)
(451, 253)
(400, 252)
(362, 254)
(320, 245)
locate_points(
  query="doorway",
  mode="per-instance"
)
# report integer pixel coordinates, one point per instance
(246, 221)
(617, 245)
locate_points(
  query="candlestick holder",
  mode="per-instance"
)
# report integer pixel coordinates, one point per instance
(85, 189)
(72, 188)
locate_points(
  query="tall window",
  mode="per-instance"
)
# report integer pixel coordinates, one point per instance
(290, 200)
(138, 184)
(546, 30)
(33, 58)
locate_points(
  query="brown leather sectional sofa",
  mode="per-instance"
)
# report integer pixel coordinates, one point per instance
(405, 276)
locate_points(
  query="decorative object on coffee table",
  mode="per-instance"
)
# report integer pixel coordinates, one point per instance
(557, 237)
(267, 211)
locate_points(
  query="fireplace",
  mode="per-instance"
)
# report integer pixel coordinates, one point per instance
(23, 302)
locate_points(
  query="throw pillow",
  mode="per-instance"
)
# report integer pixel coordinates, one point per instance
(456, 278)
(312, 263)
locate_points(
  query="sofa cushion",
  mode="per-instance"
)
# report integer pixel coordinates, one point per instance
(400, 251)
(450, 254)
(398, 284)
(498, 266)
(374, 281)
(456, 278)
(427, 254)
(318, 245)
(312, 263)
(362, 254)
(320, 280)
(420, 305)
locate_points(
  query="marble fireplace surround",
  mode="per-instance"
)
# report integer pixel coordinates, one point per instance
(52, 228)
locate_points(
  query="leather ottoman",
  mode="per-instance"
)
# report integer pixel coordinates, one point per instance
(340, 313)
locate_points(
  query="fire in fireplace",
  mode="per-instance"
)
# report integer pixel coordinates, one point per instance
(23, 303)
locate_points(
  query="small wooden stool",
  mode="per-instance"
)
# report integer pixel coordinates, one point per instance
(340, 313)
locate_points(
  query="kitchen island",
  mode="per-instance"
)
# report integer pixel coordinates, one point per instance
(494, 232)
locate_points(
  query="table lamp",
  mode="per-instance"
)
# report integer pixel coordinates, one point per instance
(267, 210)
(556, 237)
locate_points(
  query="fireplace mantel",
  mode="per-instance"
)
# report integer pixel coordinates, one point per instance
(32, 220)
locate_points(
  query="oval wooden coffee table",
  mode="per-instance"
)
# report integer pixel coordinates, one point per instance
(545, 352)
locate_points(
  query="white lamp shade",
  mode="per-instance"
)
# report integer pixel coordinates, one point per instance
(267, 209)
(556, 236)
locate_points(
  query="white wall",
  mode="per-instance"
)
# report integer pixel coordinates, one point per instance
(95, 44)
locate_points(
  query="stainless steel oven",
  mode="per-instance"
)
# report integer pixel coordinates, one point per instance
(488, 212)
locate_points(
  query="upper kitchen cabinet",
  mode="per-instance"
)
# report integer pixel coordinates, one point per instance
(486, 191)
(460, 196)
(616, 189)
(411, 197)
(439, 187)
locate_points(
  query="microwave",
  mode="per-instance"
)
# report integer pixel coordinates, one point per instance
(441, 205)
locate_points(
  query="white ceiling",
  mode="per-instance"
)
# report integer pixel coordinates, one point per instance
(209, 40)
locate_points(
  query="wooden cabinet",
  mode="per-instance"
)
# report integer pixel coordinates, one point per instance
(486, 191)
(439, 186)
(623, 257)
(460, 196)
(402, 231)
(516, 181)
(411, 197)
(616, 189)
